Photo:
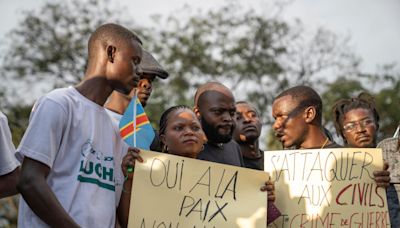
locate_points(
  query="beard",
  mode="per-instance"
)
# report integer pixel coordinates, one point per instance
(251, 138)
(212, 133)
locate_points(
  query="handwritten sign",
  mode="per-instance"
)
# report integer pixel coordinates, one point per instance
(328, 188)
(173, 191)
(391, 154)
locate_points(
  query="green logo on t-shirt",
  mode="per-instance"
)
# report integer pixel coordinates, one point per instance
(96, 168)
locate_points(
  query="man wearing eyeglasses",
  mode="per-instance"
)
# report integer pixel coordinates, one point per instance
(357, 122)
(298, 124)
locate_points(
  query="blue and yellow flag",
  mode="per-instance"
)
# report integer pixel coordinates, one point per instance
(144, 134)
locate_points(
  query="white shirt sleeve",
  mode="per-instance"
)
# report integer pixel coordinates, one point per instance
(41, 141)
(8, 162)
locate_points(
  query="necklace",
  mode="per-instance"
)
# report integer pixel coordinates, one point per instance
(323, 145)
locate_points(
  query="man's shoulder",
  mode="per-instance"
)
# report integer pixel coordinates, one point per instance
(233, 147)
(389, 144)
(116, 117)
(221, 148)
(59, 95)
(227, 153)
(59, 92)
(3, 119)
(232, 144)
(69, 98)
(334, 145)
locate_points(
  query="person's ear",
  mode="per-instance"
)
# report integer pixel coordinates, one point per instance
(309, 114)
(162, 139)
(111, 53)
(196, 111)
(204, 138)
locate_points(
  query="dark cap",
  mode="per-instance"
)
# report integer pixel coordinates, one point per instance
(150, 65)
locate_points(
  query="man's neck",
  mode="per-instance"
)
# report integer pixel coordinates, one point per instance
(95, 89)
(117, 103)
(316, 138)
(250, 150)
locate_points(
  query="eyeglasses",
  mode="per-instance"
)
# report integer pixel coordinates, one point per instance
(349, 127)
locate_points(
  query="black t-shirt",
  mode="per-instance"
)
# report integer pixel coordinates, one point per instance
(333, 145)
(229, 154)
(255, 163)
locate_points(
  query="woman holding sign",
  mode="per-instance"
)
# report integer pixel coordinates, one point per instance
(180, 134)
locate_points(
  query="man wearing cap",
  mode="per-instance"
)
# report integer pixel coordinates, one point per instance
(151, 69)
(118, 102)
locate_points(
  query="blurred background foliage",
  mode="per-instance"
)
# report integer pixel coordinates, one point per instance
(257, 55)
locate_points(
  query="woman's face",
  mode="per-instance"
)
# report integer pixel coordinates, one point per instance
(183, 134)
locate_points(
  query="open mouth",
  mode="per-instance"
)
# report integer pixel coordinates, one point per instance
(279, 136)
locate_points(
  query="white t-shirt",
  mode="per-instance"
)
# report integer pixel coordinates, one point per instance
(77, 140)
(115, 118)
(8, 162)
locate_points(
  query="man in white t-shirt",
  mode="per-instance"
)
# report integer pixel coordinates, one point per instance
(70, 148)
(9, 165)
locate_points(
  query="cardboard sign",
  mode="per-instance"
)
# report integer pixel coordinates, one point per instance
(391, 154)
(173, 191)
(328, 188)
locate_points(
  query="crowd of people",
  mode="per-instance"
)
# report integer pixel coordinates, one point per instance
(71, 164)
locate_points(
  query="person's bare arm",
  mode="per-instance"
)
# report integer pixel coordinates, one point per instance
(124, 204)
(38, 195)
(125, 201)
(8, 183)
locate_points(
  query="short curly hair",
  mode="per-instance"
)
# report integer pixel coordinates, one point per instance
(110, 33)
(305, 96)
